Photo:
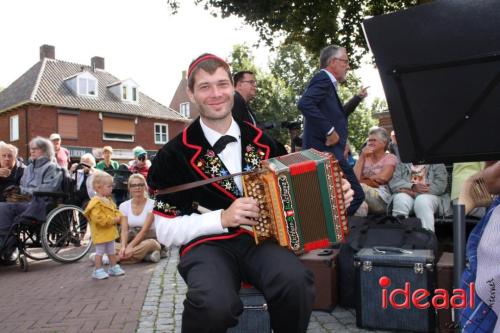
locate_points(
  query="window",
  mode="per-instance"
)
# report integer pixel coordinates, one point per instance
(118, 129)
(184, 109)
(124, 92)
(134, 94)
(161, 133)
(67, 125)
(14, 128)
(87, 86)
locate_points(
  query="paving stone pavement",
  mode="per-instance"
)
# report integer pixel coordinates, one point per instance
(54, 297)
(162, 309)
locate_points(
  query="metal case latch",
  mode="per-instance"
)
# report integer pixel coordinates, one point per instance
(418, 268)
(367, 266)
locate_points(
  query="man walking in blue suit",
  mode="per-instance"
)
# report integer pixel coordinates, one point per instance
(325, 120)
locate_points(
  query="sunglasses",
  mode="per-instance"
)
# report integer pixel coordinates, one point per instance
(136, 185)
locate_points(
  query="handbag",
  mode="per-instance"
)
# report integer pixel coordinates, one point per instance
(12, 194)
(378, 231)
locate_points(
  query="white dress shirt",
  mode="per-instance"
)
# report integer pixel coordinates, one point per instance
(183, 229)
(231, 155)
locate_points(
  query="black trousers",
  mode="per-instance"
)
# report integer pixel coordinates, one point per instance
(359, 194)
(214, 271)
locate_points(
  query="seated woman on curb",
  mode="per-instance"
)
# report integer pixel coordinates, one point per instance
(420, 189)
(138, 236)
(374, 169)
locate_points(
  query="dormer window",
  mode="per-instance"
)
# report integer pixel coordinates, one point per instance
(83, 84)
(127, 91)
(86, 86)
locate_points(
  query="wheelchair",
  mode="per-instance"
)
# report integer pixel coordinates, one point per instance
(63, 236)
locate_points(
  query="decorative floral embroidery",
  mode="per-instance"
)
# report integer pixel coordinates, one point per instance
(253, 157)
(166, 209)
(212, 166)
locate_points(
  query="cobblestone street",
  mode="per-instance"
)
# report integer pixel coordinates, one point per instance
(162, 308)
(53, 297)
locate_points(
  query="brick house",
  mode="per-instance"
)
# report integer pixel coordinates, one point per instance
(181, 103)
(87, 106)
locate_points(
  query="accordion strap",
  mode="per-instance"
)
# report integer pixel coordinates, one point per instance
(187, 186)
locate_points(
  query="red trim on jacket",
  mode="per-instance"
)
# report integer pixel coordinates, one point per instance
(198, 170)
(261, 145)
(203, 240)
(155, 212)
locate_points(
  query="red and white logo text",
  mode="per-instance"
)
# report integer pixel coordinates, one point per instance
(404, 298)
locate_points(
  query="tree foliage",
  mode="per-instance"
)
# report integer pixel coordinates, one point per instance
(312, 24)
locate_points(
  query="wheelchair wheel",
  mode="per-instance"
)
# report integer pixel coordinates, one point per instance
(65, 234)
(29, 236)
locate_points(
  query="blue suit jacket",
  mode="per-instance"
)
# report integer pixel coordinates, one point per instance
(322, 110)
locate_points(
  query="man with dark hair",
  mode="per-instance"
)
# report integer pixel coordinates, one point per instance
(245, 87)
(217, 250)
(325, 120)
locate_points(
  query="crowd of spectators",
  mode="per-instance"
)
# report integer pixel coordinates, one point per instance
(49, 163)
(401, 189)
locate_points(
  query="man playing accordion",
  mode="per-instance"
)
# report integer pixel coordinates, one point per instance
(216, 253)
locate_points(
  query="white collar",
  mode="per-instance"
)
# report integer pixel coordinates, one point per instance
(212, 136)
(330, 75)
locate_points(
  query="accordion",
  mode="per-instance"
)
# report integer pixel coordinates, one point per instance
(300, 199)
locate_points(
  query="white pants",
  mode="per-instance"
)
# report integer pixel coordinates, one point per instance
(424, 206)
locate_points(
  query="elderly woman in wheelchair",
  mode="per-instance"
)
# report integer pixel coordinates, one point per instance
(43, 174)
(25, 223)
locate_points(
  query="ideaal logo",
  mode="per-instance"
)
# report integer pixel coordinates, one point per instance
(423, 299)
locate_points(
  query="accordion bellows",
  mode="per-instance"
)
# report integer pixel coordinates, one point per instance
(301, 200)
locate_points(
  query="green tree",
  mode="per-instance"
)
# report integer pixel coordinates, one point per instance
(312, 24)
(362, 118)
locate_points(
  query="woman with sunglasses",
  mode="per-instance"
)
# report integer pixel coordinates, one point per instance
(138, 236)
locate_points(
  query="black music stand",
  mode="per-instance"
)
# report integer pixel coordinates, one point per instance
(440, 68)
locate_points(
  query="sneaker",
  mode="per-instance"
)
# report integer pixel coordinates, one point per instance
(163, 252)
(100, 274)
(153, 256)
(116, 270)
(105, 259)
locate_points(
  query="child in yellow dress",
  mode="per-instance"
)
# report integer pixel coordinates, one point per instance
(103, 217)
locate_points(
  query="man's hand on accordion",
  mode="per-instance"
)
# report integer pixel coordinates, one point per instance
(348, 192)
(240, 213)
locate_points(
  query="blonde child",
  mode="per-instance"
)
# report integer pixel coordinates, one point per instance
(103, 217)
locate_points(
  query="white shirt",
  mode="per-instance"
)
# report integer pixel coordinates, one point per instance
(183, 229)
(137, 221)
(334, 80)
(231, 155)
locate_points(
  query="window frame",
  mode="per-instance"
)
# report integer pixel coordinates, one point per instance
(117, 136)
(86, 92)
(113, 137)
(14, 119)
(74, 113)
(185, 109)
(162, 125)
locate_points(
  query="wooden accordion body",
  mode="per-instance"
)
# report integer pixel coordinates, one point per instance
(301, 200)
